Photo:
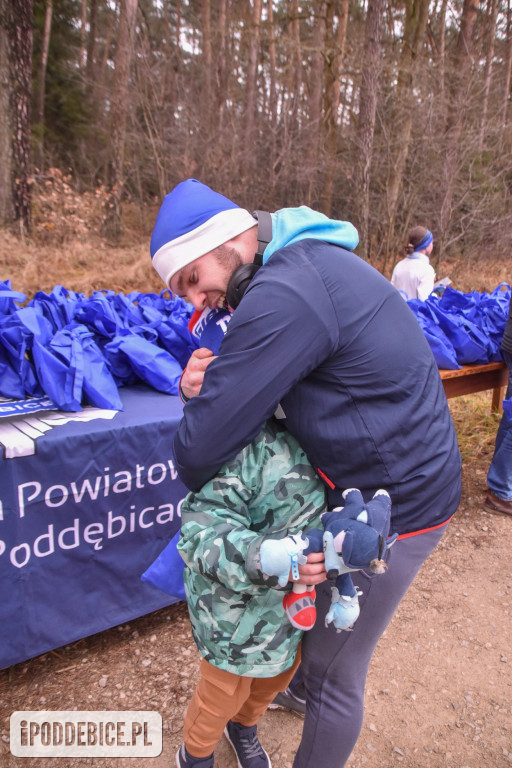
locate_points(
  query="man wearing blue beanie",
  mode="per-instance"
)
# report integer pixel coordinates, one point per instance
(323, 341)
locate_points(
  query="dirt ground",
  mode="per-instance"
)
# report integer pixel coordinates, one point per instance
(439, 689)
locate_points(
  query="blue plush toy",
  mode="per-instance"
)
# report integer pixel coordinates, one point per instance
(353, 537)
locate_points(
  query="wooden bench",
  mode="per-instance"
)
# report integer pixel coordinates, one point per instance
(477, 378)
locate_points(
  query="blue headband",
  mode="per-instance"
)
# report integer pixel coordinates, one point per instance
(424, 242)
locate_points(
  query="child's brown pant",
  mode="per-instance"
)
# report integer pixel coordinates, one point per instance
(221, 696)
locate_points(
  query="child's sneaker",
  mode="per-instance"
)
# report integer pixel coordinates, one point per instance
(248, 750)
(300, 609)
(185, 760)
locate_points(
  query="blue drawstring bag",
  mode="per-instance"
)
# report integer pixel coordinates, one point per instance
(474, 322)
(439, 343)
(76, 344)
(60, 370)
(166, 572)
(454, 302)
(127, 310)
(73, 348)
(8, 298)
(173, 336)
(471, 345)
(16, 366)
(494, 313)
(119, 365)
(98, 314)
(507, 408)
(170, 317)
(99, 387)
(12, 344)
(57, 307)
(11, 383)
(35, 324)
(150, 363)
(16, 338)
(58, 360)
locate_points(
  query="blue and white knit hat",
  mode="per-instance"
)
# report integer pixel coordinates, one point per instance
(193, 220)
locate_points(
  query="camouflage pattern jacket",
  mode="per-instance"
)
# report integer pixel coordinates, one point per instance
(268, 490)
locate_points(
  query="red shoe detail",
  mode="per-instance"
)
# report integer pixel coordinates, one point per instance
(300, 609)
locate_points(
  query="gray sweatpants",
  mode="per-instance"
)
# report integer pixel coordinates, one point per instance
(334, 665)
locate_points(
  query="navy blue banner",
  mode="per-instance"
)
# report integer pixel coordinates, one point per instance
(88, 500)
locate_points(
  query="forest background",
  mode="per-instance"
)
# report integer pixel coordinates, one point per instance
(387, 114)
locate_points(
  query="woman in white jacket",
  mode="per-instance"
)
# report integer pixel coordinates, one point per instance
(414, 276)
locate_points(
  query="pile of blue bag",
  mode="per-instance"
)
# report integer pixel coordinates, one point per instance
(76, 349)
(464, 328)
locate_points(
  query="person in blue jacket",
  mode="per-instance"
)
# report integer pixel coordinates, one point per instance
(499, 477)
(323, 341)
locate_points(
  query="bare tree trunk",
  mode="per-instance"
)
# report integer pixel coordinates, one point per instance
(366, 119)
(508, 69)
(315, 98)
(19, 29)
(83, 34)
(6, 201)
(99, 82)
(42, 77)
(296, 68)
(442, 56)
(206, 91)
(401, 120)
(290, 95)
(332, 95)
(156, 96)
(490, 38)
(119, 110)
(222, 68)
(272, 106)
(251, 91)
(457, 110)
(91, 41)
(206, 136)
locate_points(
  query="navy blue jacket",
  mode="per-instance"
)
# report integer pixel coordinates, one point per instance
(506, 342)
(327, 338)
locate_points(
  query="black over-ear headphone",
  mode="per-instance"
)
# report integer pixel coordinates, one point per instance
(242, 276)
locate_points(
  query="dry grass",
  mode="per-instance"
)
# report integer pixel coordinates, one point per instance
(482, 273)
(66, 248)
(78, 266)
(476, 426)
(88, 263)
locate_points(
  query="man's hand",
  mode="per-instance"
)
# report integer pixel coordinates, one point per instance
(193, 375)
(313, 572)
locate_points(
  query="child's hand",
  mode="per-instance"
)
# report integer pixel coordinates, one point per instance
(313, 572)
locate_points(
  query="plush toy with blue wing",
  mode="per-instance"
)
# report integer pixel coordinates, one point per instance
(353, 537)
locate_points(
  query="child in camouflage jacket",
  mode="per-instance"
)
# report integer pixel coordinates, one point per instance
(249, 648)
